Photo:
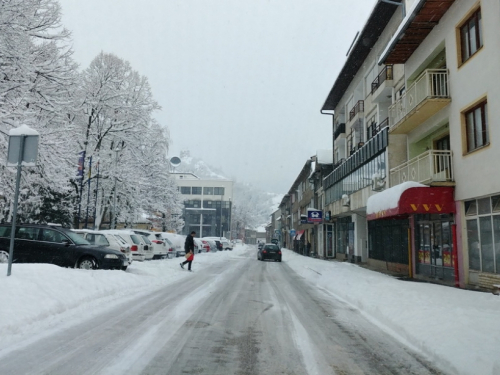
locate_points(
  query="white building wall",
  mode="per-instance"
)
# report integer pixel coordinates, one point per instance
(477, 77)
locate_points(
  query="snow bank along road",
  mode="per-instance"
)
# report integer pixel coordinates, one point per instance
(238, 316)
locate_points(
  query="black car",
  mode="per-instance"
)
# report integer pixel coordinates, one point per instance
(57, 245)
(269, 251)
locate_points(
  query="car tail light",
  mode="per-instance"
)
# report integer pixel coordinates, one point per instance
(134, 248)
(279, 252)
(157, 242)
(264, 251)
(171, 249)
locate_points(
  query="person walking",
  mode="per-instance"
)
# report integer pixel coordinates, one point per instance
(189, 249)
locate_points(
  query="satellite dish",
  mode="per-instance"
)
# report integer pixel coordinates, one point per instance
(175, 161)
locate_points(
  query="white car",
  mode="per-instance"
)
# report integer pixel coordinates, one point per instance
(135, 242)
(160, 246)
(177, 241)
(201, 246)
(226, 245)
(110, 240)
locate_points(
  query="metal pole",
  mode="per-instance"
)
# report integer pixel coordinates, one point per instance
(96, 194)
(81, 191)
(16, 196)
(114, 192)
(220, 229)
(88, 194)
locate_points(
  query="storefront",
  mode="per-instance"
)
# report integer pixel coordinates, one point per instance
(413, 225)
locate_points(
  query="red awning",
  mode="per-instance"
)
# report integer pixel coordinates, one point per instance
(401, 201)
(299, 234)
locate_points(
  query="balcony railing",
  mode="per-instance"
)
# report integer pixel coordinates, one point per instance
(385, 74)
(431, 166)
(374, 128)
(358, 108)
(432, 83)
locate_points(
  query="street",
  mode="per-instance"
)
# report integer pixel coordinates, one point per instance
(240, 317)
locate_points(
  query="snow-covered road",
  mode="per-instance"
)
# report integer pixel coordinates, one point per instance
(240, 315)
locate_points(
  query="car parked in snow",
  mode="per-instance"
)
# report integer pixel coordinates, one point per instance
(110, 240)
(38, 243)
(177, 241)
(160, 246)
(133, 240)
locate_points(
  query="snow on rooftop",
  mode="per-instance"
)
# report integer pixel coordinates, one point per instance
(389, 198)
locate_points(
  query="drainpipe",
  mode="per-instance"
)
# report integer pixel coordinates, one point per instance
(455, 254)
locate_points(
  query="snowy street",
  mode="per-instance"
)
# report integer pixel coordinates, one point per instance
(232, 315)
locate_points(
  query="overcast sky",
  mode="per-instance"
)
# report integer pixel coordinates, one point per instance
(241, 83)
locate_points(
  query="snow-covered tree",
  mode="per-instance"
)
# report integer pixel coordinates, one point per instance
(118, 130)
(37, 80)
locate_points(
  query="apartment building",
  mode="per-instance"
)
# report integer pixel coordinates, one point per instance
(359, 101)
(447, 118)
(207, 204)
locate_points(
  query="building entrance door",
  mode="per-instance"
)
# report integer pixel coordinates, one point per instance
(434, 248)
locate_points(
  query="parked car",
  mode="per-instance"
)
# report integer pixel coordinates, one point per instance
(35, 243)
(160, 246)
(106, 239)
(201, 246)
(269, 251)
(148, 247)
(212, 244)
(226, 245)
(133, 240)
(177, 241)
(217, 241)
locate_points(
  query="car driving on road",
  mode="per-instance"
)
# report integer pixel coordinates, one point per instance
(269, 251)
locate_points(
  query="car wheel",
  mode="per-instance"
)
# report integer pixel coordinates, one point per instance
(4, 257)
(87, 263)
(124, 268)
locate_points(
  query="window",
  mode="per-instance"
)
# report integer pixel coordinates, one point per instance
(208, 190)
(471, 36)
(27, 233)
(218, 191)
(476, 126)
(186, 190)
(483, 234)
(196, 190)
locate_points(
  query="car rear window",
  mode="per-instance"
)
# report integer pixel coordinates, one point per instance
(271, 247)
(135, 239)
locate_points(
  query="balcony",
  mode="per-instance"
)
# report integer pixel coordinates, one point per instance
(433, 167)
(424, 98)
(338, 129)
(357, 109)
(382, 85)
(375, 128)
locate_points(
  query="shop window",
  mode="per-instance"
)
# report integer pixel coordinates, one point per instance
(476, 126)
(470, 208)
(483, 236)
(471, 36)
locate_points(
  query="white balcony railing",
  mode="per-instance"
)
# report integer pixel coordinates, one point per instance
(432, 83)
(431, 166)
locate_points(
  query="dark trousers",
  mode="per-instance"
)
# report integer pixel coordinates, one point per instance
(189, 263)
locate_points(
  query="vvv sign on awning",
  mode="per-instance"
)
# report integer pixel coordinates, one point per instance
(314, 216)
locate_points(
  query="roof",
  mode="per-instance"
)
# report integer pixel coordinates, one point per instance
(416, 26)
(377, 22)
